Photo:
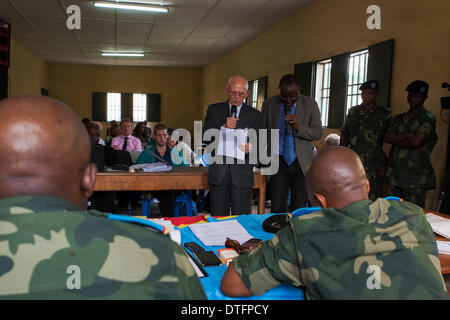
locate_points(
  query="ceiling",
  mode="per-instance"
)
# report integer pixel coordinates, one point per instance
(192, 33)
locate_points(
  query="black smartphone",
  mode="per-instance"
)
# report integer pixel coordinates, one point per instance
(194, 247)
(207, 258)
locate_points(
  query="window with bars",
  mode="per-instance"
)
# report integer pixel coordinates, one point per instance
(357, 75)
(114, 106)
(254, 97)
(322, 88)
(139, 107)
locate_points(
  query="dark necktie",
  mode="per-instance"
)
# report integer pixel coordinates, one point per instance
(125, 142)
(287, 110)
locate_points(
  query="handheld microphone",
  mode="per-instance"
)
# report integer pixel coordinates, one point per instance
(287, 110)
(233, 111)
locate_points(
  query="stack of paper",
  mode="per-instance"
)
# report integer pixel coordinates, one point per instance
(439, 224)
(152, 167)
(216, 233)
(443, 247)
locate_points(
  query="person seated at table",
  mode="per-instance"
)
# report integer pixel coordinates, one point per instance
(353, 248)
(140, 133)
(126, 142)
(332, 140)
(114, 131)
(94, 133)
(160, 152)
(51, 247)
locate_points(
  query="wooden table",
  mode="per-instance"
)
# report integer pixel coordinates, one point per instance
(180, 178)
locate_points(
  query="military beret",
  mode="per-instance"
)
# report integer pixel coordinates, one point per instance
(418, 86)
(370, 85)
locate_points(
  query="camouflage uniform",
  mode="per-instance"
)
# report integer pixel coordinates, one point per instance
(42, 239)
(365, 131)
(410, 172)
(332, 254)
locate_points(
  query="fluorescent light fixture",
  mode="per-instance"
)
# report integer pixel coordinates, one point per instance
(122, 54)
(130, 6)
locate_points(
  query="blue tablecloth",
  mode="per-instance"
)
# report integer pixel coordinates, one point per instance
(211, 284)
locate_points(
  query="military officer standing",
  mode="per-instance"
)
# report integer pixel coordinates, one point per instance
(413, 137)
(363, 132)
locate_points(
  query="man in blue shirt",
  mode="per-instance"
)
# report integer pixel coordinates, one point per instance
(297, 117)
(160, 152)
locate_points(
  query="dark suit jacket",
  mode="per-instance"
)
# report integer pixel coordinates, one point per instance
(309, 122)
(241, 174)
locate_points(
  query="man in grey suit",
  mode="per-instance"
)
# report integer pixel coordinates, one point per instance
(297, 117)
(232, 183)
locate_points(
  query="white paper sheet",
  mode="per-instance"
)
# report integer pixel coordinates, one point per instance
(443, 247)
(229, 141)
(439, 224)
(216, 233)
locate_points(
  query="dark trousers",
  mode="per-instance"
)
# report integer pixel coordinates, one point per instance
(226, 195)
(288, 178)
(166, 202)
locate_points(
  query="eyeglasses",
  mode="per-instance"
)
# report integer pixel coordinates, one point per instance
(294, 98)
(237, 93)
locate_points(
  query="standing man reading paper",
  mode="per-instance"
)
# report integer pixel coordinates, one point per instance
(231, 182)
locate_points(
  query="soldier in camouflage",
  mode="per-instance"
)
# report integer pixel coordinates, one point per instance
(363, 132)
(354, 248)
(413, 137)
(50, 248)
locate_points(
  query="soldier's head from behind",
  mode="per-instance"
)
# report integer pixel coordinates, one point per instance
(417, 93)
(45, 151)
(289, 89)
(336, 178)
(369, 92)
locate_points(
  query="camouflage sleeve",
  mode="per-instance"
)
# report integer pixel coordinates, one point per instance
(345, 129)
(428, 131)
(271, 264)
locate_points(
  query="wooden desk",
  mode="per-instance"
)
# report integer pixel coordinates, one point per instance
(180, 178)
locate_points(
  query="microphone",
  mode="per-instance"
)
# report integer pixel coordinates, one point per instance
(287, 110)
(233, 111)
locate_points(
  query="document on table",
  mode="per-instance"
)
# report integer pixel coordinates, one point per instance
(229, 141)
(439, 224)
(443, 247)
(216, 233)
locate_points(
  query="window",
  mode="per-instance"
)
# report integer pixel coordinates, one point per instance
(114, 107)
(322, 88)
(139, 107)
(257, 92)
(357, 75)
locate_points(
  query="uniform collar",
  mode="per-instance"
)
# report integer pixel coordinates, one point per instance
(34, 204)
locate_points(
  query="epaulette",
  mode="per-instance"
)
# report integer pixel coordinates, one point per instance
(144, 222)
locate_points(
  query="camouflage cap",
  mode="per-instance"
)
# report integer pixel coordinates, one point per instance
(370, 85)
(418, 86)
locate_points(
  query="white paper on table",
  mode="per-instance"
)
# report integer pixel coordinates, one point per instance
(443, 247)
(229, 141)
(439, 224)
(216, 233)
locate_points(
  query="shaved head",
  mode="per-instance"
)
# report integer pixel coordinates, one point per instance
(45, 150)
(336, 176)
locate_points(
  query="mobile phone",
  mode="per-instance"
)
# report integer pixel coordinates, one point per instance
(207, 258)
(250, 244)
(194, 247)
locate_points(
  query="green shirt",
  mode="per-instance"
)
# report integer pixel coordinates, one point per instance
(365, 130)
(49, 249)
(367, 250)
(412, 166)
